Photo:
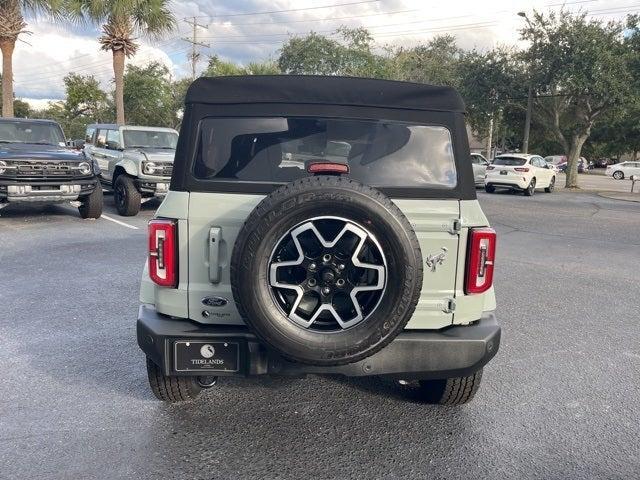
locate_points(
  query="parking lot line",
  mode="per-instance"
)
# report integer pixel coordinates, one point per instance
(118, 222)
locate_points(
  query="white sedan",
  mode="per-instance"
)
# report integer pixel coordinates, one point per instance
(623, 170)
(518, 171)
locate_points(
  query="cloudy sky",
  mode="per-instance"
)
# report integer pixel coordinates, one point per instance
(246, 30)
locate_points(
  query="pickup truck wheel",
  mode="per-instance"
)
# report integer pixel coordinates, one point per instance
(126, 196)
(450, 391)
(91, 205)
(326, 271)
(171, 389)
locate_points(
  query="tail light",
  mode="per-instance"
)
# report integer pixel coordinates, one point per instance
(490, 167)
(163, 252)
(480, 257)
(328, 168)
(521, 169)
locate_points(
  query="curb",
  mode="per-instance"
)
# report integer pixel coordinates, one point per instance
(625, 197)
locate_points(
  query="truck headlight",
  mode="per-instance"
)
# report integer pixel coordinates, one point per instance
(3, 166)
(149, 168)
(85, 168)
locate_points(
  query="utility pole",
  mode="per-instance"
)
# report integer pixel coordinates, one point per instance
(195, 55)
(490, 139)
(527, 122)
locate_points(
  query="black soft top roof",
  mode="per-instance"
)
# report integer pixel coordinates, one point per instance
(311, 89)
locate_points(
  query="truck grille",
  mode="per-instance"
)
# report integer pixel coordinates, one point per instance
(35, 170)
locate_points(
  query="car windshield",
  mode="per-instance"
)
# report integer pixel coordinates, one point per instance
(31, 132)
(150, 139)
(279, 150)
(510, 161)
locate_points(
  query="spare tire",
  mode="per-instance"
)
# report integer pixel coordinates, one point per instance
(326, 271)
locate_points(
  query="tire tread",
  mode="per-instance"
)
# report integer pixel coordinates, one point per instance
(171, 389)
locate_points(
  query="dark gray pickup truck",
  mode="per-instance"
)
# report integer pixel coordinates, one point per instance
(36, 166)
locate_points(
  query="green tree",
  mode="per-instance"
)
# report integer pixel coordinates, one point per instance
(221, 68)
(148, 95)
(85, 98)
(351, 55)
(21, 109)
(12, 24)
(579, 70)
(122, 21)
(493, 87)
(436, 62)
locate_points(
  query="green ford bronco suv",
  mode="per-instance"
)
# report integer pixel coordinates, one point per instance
(320, 225)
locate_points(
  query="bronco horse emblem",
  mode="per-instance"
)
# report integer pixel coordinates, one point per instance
(434, 260)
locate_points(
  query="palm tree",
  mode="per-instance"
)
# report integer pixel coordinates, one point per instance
(12, 24)
(122, 22)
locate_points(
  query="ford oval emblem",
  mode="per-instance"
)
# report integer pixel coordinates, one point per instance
(214, 301)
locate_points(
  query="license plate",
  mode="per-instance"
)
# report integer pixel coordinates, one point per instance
(503, 172)
(199, 356)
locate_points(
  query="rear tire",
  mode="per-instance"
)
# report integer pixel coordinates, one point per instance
(618, 175)
(91, 206)
(551, 186)
(531, 189)
(126, 196)
(171, 389)
(489, 188)
(450, 391)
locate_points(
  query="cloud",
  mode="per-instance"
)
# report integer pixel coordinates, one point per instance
(55, 50)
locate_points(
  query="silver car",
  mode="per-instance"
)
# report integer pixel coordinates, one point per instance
(479, 164)
(135, 162)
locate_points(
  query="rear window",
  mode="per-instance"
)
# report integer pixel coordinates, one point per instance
(279, 149)
(510, 161)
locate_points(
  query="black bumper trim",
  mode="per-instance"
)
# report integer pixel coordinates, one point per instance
(454, 351)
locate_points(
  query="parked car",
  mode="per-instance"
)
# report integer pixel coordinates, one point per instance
(479, 164)
(623, 170)
(556, 159)
(259, 267)
(583, 165)
(135, 162)
(37, 167)
(518, 171)
(553, 167)
(603, 162)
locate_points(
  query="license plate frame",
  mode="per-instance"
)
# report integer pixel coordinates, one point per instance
(504, 172)
(219, 356)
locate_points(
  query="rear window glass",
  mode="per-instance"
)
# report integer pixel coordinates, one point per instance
(278, 150)
(509, 161)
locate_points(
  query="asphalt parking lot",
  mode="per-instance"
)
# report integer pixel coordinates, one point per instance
(560, 400)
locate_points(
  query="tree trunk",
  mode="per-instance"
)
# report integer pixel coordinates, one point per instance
(118, 71)
(7, 47)
(573, 155)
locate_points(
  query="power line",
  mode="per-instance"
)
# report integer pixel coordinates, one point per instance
(332, 19)
(102, 68)
(288, 10)
(195, 54)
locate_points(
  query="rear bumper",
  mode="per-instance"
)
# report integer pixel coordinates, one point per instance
(504, 181)
(455, 351)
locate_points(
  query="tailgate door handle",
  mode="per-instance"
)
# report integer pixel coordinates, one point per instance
(215, 236)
